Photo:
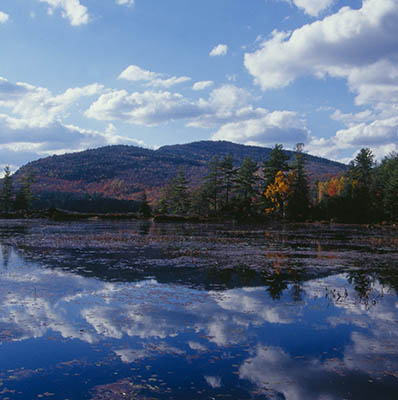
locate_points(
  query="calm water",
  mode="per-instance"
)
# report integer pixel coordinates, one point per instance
(140, 310)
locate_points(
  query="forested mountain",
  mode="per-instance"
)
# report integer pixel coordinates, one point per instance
(125, 172)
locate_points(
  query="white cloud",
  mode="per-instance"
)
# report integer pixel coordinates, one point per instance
(335, 46)
(351, 119)
(125, 2)
(219, 50)
(73, 10)
(313, 7)
(381, 135)
(154, 79)
(3, 17)
(33, 123)
(378, 132)
(37, 106)
(147, 108)
(227, 109)
(153, 108)
(202, 85)
(358, 45)
(276, 127)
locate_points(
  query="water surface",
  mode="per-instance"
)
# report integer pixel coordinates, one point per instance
(140, 310)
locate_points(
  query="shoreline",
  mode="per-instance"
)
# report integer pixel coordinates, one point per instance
(56, 214)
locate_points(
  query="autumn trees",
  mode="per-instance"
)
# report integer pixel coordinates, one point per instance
(246, 190)
(368, 192)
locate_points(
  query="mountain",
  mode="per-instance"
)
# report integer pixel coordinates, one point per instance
(124, 172)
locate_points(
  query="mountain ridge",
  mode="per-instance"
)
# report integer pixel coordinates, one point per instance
(124, 171)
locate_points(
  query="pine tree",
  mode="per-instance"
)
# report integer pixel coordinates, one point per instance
(227, 174)
(24, 196)
(145, 209)
(246, 185)
(359, 194)
(299, 202)
(213, 184)
(175, 196)
(180, 193)
(276, 162)
(6, 191)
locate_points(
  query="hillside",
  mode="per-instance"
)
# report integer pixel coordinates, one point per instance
(124, 172)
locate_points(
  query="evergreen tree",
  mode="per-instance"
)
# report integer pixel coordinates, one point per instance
(213, 184)
(24, 195)
(180, 193)
(361, 167)
(6, 191)
(299, 202)
(385, 186)
(145, 209)
(358, 196)
(227, 174)
(175, 196)
(276, 162)
(199, 203)
(246, 185)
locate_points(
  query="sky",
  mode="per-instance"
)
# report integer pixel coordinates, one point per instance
(78, 74)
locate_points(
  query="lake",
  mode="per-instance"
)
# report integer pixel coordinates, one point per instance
(143, 310)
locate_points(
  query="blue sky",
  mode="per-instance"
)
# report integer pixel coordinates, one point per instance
(77, 74)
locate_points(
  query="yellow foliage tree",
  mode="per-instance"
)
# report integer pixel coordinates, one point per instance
(333, 187)
(279, 192)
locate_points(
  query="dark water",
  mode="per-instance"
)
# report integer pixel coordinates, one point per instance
(170, 311)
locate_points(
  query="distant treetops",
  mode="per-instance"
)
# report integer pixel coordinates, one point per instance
(279, 188)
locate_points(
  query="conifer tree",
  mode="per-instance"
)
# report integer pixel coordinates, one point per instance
(6, 191)
(246, 184)
(213, 184)
(227, 174)
(175, 195)
(145, 209)
(276, 162)
(299, 202)
(24, 195)
(359, 194)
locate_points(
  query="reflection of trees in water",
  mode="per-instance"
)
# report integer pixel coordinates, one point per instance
(282, 272)
(6, 254)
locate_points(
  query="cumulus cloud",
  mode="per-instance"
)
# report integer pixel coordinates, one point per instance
(219, 50)
(202, 85)
(226, 103)
(3, 17)
(378, 132)
(142, 108)
(37, 106)
(227, 109)
(363, 130)
(153, 108)
(350, 119)
(154, 79)
(335, 46)
(276, 127)
(33, 123)
(313, 7)
(73, 10)
(125, 2)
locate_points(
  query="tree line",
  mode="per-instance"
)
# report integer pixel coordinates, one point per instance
(15, 197)
(279, 188)
(276, 188)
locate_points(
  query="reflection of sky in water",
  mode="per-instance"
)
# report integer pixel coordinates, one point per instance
(330, 344)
